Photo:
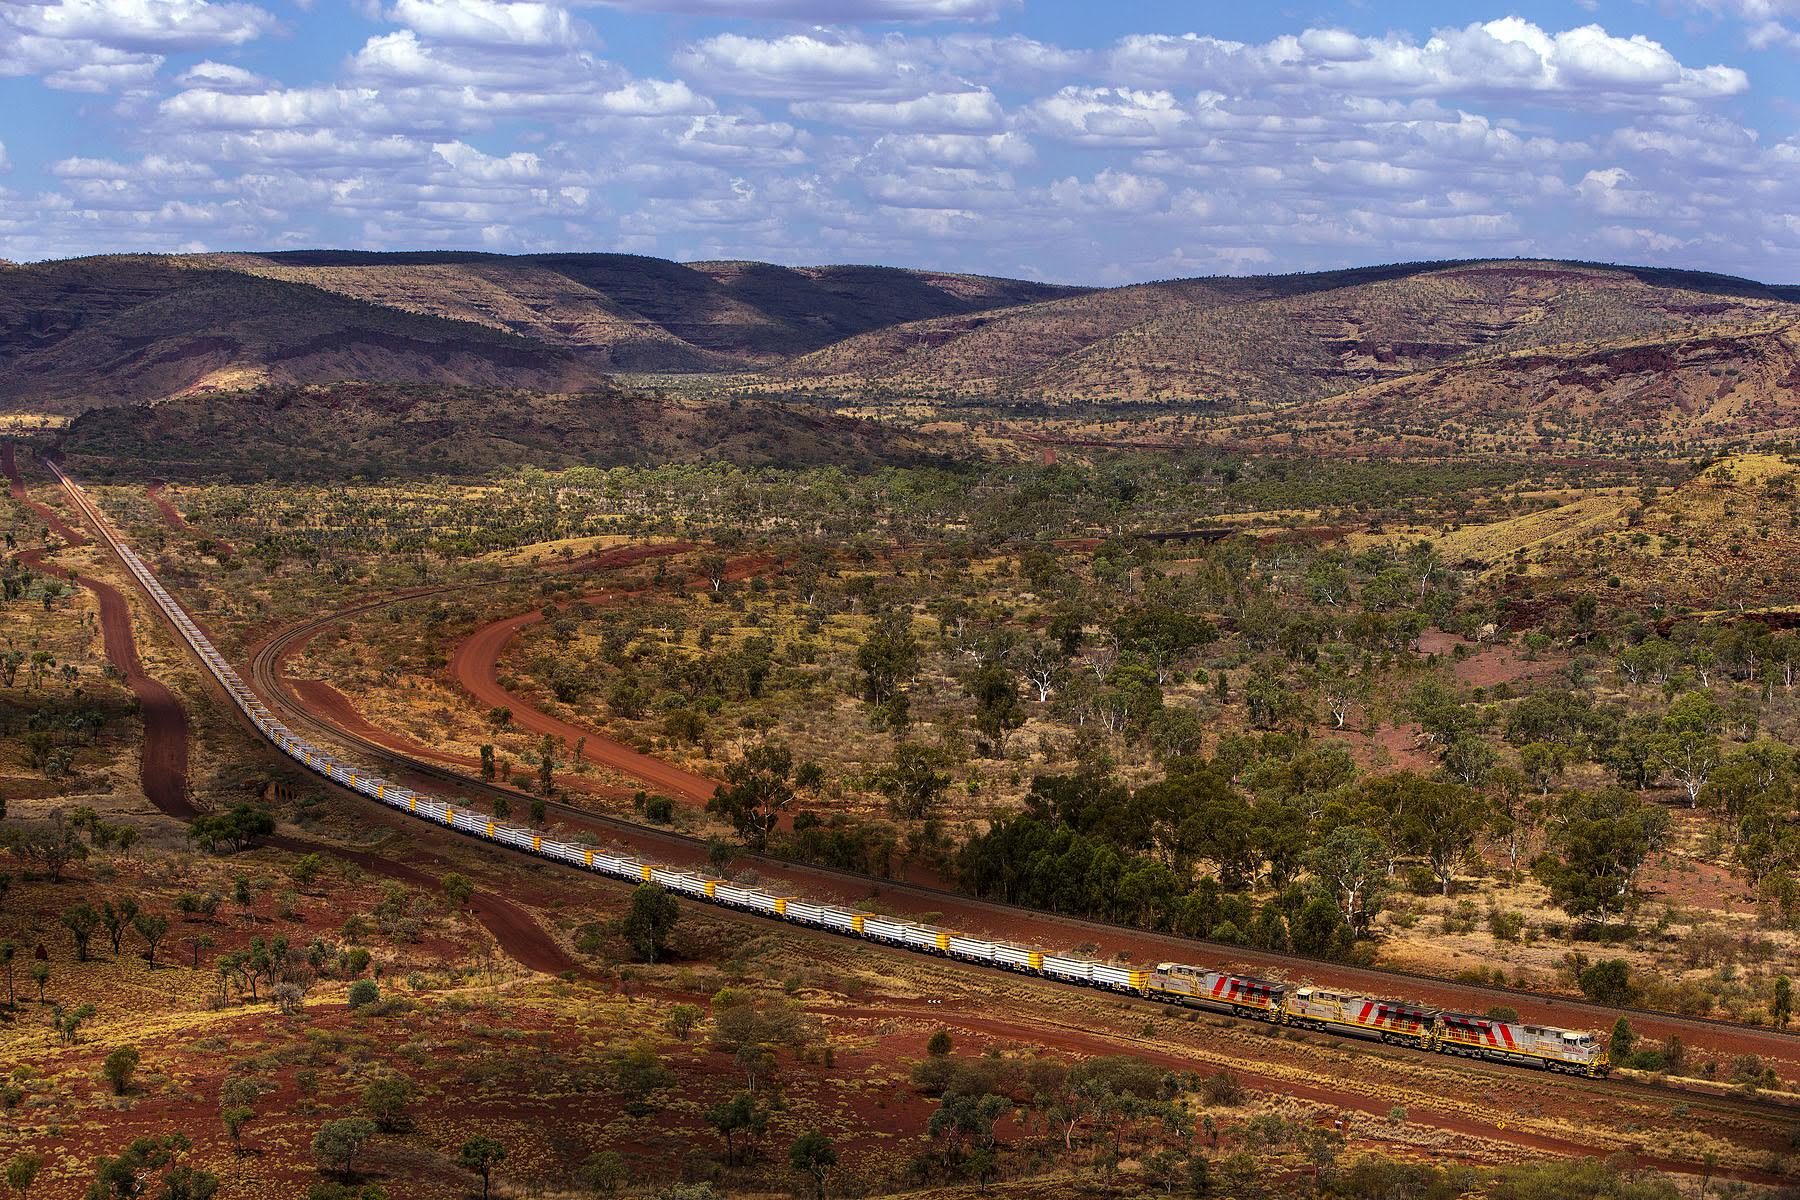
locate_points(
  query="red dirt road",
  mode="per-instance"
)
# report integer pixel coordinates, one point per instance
(16, 485)
(170, 514)
(162, 769)
(163, 764)
(518, 934)
(475, 666)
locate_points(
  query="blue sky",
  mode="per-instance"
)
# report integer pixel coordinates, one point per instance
(1054, 139)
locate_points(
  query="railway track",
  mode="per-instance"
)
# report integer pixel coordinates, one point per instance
(271, 687)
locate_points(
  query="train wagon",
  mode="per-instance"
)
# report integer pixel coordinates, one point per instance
(1242, 995)
(1393, 1021)
(973, 949)
(888, 929)
(1070, 970)
(928, 938)
(822, 916)
(686, 882)
(1120, 979)
(1573, 1051)
(1018, 958)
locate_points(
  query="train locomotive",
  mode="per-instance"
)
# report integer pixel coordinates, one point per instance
(1392, 1021)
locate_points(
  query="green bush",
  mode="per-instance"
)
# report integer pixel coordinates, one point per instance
(1607, 982)
(364, 993)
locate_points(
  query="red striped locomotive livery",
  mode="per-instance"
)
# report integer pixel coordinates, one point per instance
(1392, 1021)
(1177, 983)
(1574, 1051)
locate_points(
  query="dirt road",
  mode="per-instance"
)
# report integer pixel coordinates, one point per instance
(16, 485)
(475, 665)
(170, 514)
(163, 763)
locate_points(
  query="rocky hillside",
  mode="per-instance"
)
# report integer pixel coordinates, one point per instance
(1691, 391)
(1722, 540)
(1237, 344)
(648, 314)
(126, 328)
(100, 331)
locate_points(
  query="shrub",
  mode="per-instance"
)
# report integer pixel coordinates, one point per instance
(1607, 982)
(386, 1100)
(119, 1067)
(1222, 1088)
(364, 993)
(1506, 926)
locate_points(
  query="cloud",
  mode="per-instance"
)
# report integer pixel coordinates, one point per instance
(150, 167)
(830, 10)
(143, 25)
(491, 24)
(948, 112)
(1767, 23)
(1111, 191)
(1509, 56)
(739, 138)
(951, 150)
(116, 45)
(221, 77)
(1103, 116)
(804, 64)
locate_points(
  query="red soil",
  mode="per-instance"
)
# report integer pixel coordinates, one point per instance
(475, 665)
(170, 514)
(1490, 665)
(1088, 1042)
(518, 934)
(16, 485)
(1399, 741)
(163, 769)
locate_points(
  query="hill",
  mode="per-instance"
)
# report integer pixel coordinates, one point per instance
(133, 328)
(1237, 344)
(1723, 539)
(647, 314)
(1687, 390)
(136, 329)
(400, 431)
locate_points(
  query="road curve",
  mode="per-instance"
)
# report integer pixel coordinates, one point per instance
(475, 664)
(163, 763)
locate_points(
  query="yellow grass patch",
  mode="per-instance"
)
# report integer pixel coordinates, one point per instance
(542, 551)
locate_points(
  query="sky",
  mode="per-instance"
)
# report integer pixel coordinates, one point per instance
(1081, 141)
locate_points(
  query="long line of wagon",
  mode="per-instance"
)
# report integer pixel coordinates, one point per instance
(1392, 1021)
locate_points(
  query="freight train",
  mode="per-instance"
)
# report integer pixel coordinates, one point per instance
(1393, 1021)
